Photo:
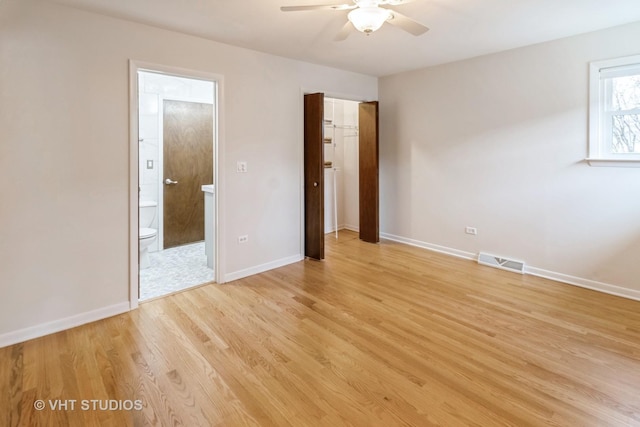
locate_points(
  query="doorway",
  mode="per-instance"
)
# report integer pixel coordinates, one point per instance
(176, 135)
(340, 170)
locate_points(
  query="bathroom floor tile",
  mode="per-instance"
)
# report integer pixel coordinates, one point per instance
(173, 270)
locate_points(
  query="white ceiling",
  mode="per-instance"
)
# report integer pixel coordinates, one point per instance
(459, 28)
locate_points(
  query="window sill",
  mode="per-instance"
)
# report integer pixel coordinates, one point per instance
(620, 163)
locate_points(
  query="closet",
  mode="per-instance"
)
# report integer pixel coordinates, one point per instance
(341, 170)
(341, 175)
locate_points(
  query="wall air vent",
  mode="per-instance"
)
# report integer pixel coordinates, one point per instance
(502, 263)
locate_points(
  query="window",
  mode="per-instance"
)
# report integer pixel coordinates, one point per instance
(614, 112)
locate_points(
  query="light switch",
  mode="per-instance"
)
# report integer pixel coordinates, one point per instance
(149, 164)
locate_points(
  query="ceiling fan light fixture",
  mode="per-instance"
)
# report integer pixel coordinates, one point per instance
(368, 19)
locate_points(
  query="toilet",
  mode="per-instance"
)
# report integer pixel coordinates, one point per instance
(147, 235)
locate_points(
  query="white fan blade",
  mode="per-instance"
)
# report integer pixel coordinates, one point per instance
(344, 32)
(318, 7)
(406, 23)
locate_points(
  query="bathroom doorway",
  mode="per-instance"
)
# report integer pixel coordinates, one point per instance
(176, 156)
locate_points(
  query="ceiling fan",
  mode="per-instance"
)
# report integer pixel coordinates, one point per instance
(368, 16)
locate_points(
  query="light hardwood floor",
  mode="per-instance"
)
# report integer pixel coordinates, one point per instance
(376, 335)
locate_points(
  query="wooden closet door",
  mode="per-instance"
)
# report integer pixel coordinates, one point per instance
(314, 176)
(369, 165)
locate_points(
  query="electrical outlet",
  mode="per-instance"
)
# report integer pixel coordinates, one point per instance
(471, 230)
(243, 239)
(241, 167)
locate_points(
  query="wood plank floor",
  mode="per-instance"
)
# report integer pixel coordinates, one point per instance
(376, 335)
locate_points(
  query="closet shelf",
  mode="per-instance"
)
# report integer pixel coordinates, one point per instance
(328, 123)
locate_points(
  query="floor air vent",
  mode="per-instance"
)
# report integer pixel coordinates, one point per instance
(503, 263)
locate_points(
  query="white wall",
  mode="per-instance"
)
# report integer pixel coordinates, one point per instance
(498, 142)
(64, 153)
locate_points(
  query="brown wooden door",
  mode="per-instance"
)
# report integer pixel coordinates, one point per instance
(188, 160)
(314, 176)
(368, 165)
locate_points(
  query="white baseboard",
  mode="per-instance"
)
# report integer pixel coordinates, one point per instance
(436, 248)
(585, 283)
(262, 268)
(62, 324)
(534, 271)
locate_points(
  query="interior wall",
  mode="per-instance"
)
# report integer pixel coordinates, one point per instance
(64, 132)
(498, 143)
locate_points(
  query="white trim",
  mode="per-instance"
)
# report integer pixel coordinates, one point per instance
(43, 329)
(430, 246)
(606, 288)
(585, 283)
(300, 124)
(622, 163)
(599, 153)
(263, 267)
(616, 62)
(134, 188)
(219, 180)
(219, 150)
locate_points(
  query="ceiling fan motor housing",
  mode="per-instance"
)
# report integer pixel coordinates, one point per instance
(368, 17)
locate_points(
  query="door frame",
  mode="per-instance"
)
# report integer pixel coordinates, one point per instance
(327, 94)
(218, 165)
